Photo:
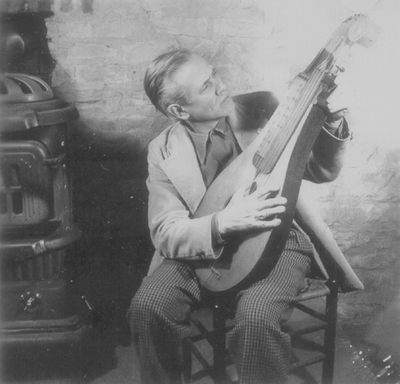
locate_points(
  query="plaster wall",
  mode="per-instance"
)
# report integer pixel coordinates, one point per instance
(102, 48)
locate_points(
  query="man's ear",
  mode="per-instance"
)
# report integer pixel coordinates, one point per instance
(178, 112)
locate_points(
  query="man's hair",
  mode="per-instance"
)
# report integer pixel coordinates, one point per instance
(161, 91)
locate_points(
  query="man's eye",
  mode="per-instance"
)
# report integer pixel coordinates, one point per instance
(206, 86)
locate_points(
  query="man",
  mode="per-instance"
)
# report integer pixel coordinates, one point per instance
(211, 130)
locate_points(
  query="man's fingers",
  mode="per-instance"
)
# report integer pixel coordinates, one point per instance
(269, 212)
(335, 94)
(340, 113)
(270, 203)
(268, 224)
(341, 97)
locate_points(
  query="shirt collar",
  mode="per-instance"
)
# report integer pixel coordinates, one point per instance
(200, 140)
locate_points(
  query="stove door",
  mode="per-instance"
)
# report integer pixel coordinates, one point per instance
(26, 185)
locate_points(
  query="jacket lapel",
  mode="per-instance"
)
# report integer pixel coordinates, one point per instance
(181, 167)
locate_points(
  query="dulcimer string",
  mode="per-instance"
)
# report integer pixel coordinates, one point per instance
(285, 121)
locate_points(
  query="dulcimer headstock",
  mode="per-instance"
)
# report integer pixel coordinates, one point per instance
(358, 29)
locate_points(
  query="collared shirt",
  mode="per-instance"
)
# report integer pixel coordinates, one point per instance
(215, 150)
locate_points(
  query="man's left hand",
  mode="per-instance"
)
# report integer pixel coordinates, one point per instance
(336, 105)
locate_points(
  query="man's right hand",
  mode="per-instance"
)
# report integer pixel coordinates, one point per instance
(256, 210)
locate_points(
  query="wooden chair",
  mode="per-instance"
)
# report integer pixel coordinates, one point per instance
(222, 322)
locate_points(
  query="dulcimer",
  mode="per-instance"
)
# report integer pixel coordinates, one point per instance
(278, 156)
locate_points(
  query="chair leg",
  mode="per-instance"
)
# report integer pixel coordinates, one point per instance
(187, 362)
(330, 334)
(219, 318)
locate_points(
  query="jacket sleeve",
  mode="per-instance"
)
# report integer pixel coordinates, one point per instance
(174, 232)
(328, 155)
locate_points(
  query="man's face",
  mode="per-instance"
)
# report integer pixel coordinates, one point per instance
(208, 98)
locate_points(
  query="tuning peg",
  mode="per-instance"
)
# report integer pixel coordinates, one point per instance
(340, 68)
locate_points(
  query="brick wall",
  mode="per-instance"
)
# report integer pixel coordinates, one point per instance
(102, 47)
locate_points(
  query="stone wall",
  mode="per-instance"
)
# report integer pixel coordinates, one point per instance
(102, 47)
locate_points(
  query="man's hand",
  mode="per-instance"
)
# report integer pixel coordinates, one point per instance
(251, 211)
(337, 103)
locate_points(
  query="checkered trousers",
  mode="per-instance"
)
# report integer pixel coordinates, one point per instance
(158, 317)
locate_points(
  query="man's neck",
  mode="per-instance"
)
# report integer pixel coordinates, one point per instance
(204, 127)
(235, 118)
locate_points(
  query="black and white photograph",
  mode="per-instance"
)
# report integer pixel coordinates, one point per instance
(199, 192)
